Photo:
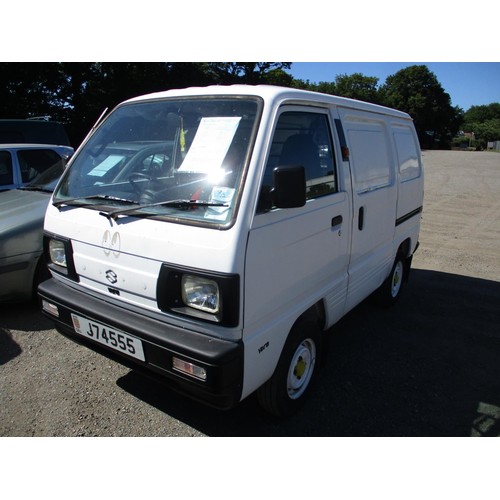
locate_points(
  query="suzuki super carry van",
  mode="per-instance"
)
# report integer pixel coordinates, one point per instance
(211, 236)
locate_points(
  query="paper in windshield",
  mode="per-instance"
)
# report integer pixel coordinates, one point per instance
(105, 166)
(210, 144)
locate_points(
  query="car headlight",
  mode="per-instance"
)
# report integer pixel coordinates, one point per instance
(57, 252)
(200, 293)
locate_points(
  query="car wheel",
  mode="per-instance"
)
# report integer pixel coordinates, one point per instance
(42, 274)
(286, 390)
(390, 291)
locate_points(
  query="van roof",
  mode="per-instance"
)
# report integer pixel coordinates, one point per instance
(272, 93)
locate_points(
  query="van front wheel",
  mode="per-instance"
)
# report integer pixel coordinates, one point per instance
(285, 391)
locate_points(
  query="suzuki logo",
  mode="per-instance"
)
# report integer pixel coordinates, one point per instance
(111, 243)
(111, 276)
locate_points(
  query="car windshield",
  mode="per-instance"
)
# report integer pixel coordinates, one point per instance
(182, 159)
(47, 180)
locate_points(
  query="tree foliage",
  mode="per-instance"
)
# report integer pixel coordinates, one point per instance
(417, 91)
(483, 122)
(77, 93)
(357, 86)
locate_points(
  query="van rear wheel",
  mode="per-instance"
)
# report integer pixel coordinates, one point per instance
(286, 390)
(390, 291)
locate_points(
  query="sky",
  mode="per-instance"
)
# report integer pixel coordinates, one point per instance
(321, 31)
(468, 83)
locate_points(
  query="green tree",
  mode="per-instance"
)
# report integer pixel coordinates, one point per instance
(486, 131)
(325, 88)
(417, 91)
(484, 122)
(29, 90)
(480, 114)
(246, 72)
(357, 86)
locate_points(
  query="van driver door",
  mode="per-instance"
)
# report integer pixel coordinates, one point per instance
(297, 256)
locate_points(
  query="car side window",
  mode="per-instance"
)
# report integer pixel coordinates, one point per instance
(302, 138)
(6, 173)
(33, 162)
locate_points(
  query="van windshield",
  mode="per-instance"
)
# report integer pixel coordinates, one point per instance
(147, 154)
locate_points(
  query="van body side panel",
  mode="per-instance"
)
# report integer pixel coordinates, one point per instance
(411, 183)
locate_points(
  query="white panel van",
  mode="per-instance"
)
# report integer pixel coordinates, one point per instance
(211, 236)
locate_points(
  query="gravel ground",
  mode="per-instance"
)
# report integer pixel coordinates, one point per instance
(428, 367)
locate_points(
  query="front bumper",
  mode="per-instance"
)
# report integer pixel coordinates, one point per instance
(221, 359)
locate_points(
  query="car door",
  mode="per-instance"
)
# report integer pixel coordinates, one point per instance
(298, 256)
(374, 195)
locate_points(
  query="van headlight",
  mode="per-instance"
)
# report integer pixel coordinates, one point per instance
(200, 293)
(57, 252)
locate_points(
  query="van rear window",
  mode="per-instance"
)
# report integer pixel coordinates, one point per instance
(409, 165)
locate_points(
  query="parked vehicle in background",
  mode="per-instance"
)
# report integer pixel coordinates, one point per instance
(22, 163)
(33, 131)
(22, 266)
(248, 222)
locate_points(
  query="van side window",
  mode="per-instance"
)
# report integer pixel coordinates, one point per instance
(303, 138)
(369, 156)
(409, 165)
(6, 174)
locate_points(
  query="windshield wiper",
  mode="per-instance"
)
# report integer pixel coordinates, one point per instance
(180, 204)
(77, 200)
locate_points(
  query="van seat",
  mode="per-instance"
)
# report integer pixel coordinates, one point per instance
(300, 149)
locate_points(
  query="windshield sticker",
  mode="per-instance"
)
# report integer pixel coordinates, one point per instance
(210, 144)
(104, 167)
(220, 194)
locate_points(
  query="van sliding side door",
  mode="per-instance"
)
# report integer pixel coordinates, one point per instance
(374, 197)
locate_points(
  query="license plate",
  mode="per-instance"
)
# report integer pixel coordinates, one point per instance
(108, 336)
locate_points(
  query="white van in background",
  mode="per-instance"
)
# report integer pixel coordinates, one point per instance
(210, 236)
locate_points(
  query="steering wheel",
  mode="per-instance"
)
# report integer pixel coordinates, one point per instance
(146, 195)
(136, 176)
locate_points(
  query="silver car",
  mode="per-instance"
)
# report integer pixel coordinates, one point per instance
(21, 163)
(22, 213)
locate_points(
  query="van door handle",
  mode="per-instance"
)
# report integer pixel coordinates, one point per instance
(361, 218)
(336, 221)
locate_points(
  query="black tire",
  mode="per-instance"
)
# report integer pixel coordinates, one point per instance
(42, 274)
(390, 290)
(297, 367)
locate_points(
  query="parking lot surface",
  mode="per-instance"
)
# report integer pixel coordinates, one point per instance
(430, 366)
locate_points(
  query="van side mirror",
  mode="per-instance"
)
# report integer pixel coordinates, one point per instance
(289, 186)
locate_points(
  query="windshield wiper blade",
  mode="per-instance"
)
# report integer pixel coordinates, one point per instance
(180, 204)
(78, 199)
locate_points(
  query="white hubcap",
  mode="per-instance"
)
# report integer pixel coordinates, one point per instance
(301, 368)
(397, 279)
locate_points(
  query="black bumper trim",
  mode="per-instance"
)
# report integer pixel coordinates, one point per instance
(222, 359)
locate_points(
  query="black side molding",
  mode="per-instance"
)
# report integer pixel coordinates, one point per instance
(408, 216)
